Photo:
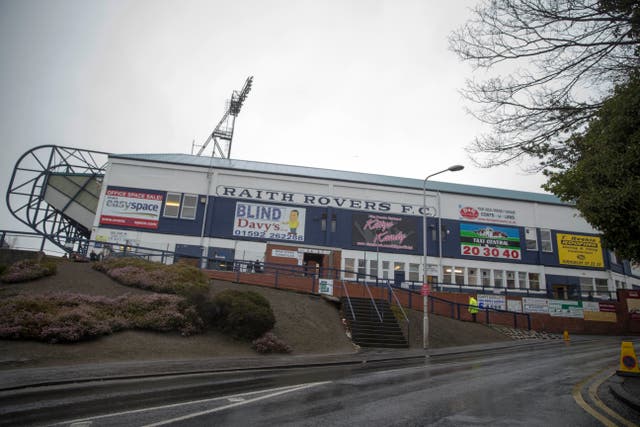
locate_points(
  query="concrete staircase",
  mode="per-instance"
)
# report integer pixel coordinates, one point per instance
(367, 330)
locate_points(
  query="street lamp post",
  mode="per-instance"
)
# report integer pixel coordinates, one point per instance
(425, 298)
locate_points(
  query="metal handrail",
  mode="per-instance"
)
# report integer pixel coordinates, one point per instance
(344, 287)
(406, 318)
(373, 301)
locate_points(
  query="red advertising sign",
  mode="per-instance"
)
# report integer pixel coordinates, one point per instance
(426, 290)
(131, 209)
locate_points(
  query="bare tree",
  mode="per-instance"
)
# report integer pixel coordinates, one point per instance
(553, 63)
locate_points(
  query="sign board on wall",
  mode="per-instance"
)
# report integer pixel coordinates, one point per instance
(514, 305)
(566, 308)
(492, 301)
(633, 305)
(383, 231)
(282, 253)
(535, 305)
(269, 222)
(581, 251)
(492, 214)
(131, 209)
(325, 286)
(599, 311)
(489, 242)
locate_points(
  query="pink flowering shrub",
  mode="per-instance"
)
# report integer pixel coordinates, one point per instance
(74, 317)
(180, 279)
(27, 269)
(269, 343)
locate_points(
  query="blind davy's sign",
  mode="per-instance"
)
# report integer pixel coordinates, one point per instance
(269, 222)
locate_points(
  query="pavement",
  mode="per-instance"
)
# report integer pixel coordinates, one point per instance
(624, 388)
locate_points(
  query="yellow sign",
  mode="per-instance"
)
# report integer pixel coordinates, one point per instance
(582, 251)
(628, 359)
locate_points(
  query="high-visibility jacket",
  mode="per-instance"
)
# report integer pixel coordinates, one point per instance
(473, 305)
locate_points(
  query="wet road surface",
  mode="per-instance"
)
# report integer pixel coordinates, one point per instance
(542, 385)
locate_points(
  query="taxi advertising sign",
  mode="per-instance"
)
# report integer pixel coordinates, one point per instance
(580, 251)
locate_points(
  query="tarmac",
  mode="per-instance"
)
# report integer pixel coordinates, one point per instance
(625, 388)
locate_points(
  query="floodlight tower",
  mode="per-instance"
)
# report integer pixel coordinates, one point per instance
(222, 135)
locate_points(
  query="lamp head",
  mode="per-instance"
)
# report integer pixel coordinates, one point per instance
(455, 168)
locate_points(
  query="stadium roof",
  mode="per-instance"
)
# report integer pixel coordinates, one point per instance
(356, 177)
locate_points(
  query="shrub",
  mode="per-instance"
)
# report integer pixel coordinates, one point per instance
(269, 343)
(243, 315)
(180, 279)
(27, 269)
(73, 317)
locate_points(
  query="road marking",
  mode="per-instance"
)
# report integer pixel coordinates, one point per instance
(232, 405)
(192, 402)
(577, 396)
(593, 393)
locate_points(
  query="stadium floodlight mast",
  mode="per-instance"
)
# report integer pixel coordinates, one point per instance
(224, 129)
(425, 298)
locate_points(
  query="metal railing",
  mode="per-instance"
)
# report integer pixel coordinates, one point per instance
(455, 311)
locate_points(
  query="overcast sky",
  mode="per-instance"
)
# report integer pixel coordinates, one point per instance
(366, 86)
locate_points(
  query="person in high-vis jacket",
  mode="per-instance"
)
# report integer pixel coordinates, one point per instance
(473, 307)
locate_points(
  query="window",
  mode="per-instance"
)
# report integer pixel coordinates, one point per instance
(522, 280)
(545, 240)
(350, 267)
(602, 285)
(473, 276)
(534, 281)
(373, 267)
(619, 284)
(414, 272)
(189, 206)
(511, 280)
(531, 238)
(172, 205)
(362, 267)
(333, 223)
(486, 277)
(498, 279)
(385, 269)
(398, 266)
(323, 222)
(612, 256)
(459, 272)
(447, 274)
(586, 284)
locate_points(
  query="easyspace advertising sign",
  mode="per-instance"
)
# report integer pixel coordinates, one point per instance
(131, 209)
(269, 222)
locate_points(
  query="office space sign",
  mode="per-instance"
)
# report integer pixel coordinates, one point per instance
(489, 242)
(269, 222)
(383, 231)
(581, 251)
(492, 214)
(131, 209)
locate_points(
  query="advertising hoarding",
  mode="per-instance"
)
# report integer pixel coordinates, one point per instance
(566, 308)
(384, 231)
(269, 222)
(492, 301)
(580, 251)
(489, 242)
(131, 209)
